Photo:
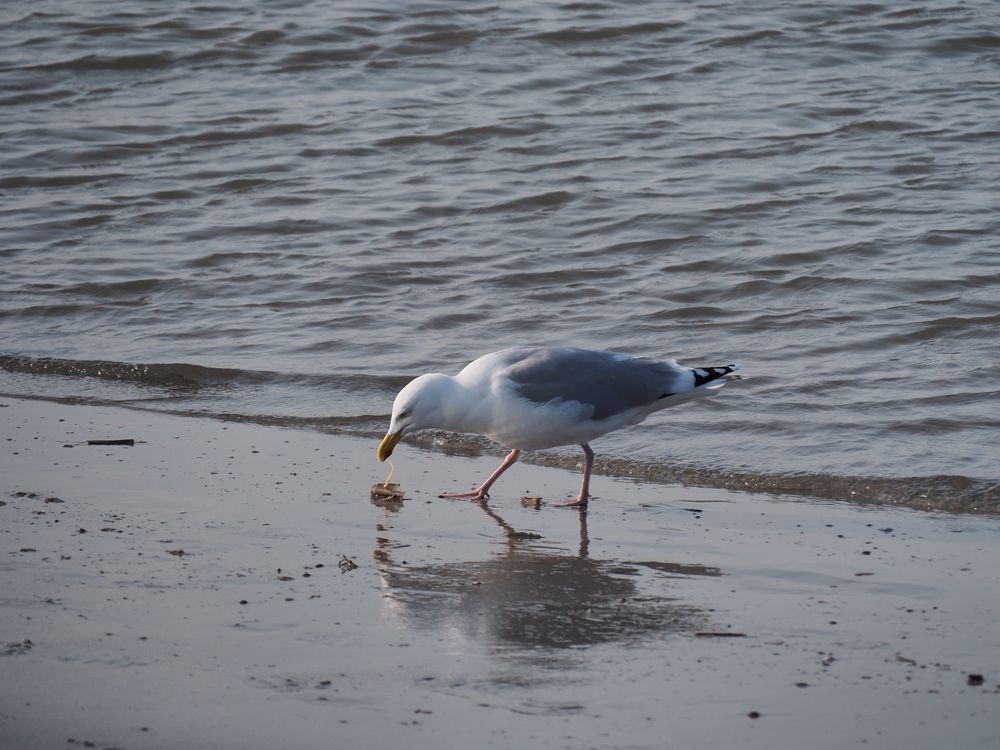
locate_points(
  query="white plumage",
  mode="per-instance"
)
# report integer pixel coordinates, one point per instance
(532, 398)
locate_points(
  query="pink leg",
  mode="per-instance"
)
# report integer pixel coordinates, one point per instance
(483, 491)
(588, 463)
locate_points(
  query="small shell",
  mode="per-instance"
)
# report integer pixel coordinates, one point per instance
(380, 491)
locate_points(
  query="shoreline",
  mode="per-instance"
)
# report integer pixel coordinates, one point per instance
(192, 590)
(944, 493)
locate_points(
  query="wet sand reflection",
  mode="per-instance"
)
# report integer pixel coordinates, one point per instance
(533, 594)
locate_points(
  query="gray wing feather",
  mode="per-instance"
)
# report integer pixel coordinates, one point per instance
(608, 383)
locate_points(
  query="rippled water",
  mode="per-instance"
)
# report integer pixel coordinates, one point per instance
(298, 206)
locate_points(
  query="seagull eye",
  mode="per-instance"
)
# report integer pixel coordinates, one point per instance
(403, 415)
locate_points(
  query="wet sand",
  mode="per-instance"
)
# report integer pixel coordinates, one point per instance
(221, 585)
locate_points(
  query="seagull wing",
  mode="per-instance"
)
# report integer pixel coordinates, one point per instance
(605, 382)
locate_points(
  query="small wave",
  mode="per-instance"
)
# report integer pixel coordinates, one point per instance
(540, 202)
(438, 39)
(966, 44)
(17, 182)
(100, 63)
(216, 136)
(878, 126)
(467, 136)
(305, 60)
(118, 290)
(263, 37)
(739, 40)
(606, 33)
(545, 279)
(190, 376)
(150, 374)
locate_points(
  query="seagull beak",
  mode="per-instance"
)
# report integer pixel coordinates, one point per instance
(387, 445)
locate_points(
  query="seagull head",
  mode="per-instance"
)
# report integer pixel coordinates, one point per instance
(417, 407)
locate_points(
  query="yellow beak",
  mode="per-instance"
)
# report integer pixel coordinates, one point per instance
(385, 448)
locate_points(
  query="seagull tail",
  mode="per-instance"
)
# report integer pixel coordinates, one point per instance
(713, 378)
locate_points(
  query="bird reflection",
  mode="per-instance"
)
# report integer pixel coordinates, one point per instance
(535, 595)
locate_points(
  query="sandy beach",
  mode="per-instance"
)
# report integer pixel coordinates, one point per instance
(224, 585)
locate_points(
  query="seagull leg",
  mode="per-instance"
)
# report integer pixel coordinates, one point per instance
(483, 491)
(588, 463)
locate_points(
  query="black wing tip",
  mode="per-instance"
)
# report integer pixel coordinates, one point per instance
(703, 375)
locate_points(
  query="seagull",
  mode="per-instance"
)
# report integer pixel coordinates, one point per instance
(530, 398)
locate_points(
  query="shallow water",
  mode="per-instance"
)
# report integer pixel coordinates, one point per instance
(285, 210)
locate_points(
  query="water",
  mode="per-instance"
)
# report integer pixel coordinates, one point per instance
(282, 211)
